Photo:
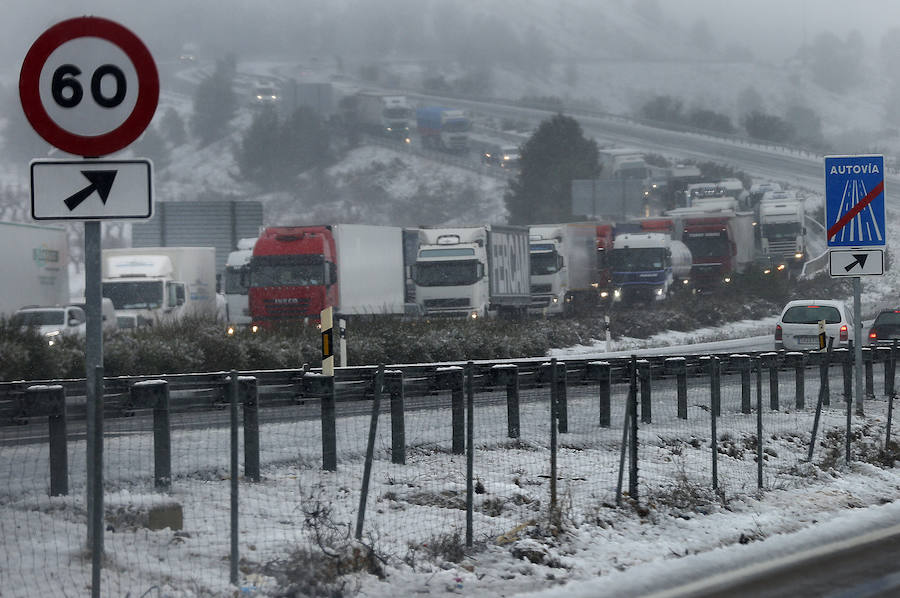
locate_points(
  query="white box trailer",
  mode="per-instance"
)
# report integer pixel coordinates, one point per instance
(563, 266)
(35, 263)
(161, 283)
(370, 269)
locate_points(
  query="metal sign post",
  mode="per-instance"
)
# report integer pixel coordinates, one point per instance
(856, 234)
(90, 87)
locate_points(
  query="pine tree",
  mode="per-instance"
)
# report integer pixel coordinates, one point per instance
(551, 159)
(214, 105)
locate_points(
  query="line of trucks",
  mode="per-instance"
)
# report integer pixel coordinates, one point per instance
(292, 273)
(391, 115)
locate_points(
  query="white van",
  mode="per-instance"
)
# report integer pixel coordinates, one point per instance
(106, 308)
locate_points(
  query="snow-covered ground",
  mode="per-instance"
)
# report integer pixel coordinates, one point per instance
(681, 528)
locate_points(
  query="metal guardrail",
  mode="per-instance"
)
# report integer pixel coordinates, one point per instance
(207, 392)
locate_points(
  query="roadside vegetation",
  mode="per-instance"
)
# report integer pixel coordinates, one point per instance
(201, 345)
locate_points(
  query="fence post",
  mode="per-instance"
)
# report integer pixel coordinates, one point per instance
(633, 449)
(715, 404)
(249, 398)
(600, 371)
(470, 453)
(233, 404)
(370, 450)
(50, 401)
(154, 394)
(678, 366)
(757, 364)
(507, 374)
(393, 384)
(797, 360)
(886, 356)
(554, 391)
(824, 382)
(451, 377)
(646, 391)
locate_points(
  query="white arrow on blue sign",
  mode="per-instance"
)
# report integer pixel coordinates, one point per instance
(854, 201)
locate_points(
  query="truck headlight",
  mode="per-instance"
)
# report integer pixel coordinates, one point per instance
(798, 256)
(781, 267)
(617, 293)
(604, 294)
(659, 292)
(556, 300)
(474, 315)
(230, 331)
(727, 279)
(254, 329)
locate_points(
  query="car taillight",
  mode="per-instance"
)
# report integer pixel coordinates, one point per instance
(873, 334)
(778, 332)
(844, 332)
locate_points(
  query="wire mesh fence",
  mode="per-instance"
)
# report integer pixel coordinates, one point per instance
(421, 468)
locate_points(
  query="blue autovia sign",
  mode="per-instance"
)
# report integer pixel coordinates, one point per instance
(854, 201)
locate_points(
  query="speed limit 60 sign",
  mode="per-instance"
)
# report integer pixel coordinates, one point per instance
(89, 86)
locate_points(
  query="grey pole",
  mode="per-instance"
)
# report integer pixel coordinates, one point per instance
(93, 358)
(857, 348)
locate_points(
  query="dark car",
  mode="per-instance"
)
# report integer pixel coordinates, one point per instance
(886, 326)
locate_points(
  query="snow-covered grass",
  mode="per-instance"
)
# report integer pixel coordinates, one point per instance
(415, 518)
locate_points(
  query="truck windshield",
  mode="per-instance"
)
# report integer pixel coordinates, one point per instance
(638, 259)
(443, 274)
(237, 280)
(781, 230)
(544, 263)
(144, 294)
(397, 113)
(707, 245)
(47, 317)
(632, 171)
(456, 126)
(287, 271)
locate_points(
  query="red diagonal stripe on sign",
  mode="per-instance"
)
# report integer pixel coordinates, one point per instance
(851, 214)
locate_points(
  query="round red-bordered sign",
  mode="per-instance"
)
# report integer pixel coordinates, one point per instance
(117, 132)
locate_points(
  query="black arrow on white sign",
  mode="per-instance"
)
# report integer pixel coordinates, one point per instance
(860, 258)
(101, 182)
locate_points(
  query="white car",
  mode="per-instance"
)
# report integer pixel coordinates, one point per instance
(798, 327)
(53, 322)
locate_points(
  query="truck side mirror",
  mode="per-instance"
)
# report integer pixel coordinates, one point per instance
(332, 273)
(560, 262)
(179, 294)
(479, 271)
(413, 273)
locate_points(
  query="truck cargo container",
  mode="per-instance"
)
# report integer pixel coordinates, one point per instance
(442, 128)
(35, 266)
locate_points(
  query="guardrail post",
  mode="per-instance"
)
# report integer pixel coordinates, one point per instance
(50, 401)
(741, 363)
(322, 386)
(797, 360)
(846, 359)
(644, 374)
(868, 356)
(824, 381)
(770, 360)
(508, 375)
(452, 378)
(678, 366)
(393, 384)
(248, 396)
(600, 371)
(154, 394)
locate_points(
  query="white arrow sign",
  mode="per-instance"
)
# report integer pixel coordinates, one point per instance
(856, 262)
(91, 189)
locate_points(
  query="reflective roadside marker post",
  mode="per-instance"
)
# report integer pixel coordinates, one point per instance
(90, 87)
(822, 339)
(856, 235)
(329, 433)
(326, 319)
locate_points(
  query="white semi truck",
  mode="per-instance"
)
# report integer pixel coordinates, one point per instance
(473, 271)
(35, 263)
(385, 114)
(160, 284)
(782, 231)
(563, 267)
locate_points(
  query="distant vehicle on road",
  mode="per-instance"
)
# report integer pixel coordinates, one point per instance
(798, 327)
(886, 326)
(265, 94)
(52, 322)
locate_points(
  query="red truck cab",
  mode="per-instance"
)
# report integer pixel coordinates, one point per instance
(292, 275)
(712, 249)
